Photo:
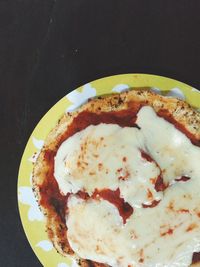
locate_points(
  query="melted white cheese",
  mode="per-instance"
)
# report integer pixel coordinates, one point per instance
(112, 162)
(110, 243)
(108, 156)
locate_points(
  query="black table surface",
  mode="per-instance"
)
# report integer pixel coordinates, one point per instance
(49, 47)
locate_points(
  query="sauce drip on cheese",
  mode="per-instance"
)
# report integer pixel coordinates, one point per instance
(51, 195)
(125, 210)
(196, 257)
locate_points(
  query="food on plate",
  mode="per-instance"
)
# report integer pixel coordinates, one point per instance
(118, 181)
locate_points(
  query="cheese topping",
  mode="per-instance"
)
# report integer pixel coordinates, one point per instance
(108, 156)
(102, 219)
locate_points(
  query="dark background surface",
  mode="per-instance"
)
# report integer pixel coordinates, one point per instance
(48, 48)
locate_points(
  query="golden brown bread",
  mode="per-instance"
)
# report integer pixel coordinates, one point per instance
(179, 111)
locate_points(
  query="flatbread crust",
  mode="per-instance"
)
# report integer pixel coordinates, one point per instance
(180, 111)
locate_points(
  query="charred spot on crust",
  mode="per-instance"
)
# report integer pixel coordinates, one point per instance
(196, 257)
(59, 208)
(90, 263)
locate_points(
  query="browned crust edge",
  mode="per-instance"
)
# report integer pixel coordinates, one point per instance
(180, 110)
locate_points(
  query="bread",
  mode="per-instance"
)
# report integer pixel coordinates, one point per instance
(178, 111)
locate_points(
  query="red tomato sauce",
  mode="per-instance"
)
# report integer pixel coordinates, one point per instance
(183, 179)
(152, 205)
(146, 156)
(160, 185)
